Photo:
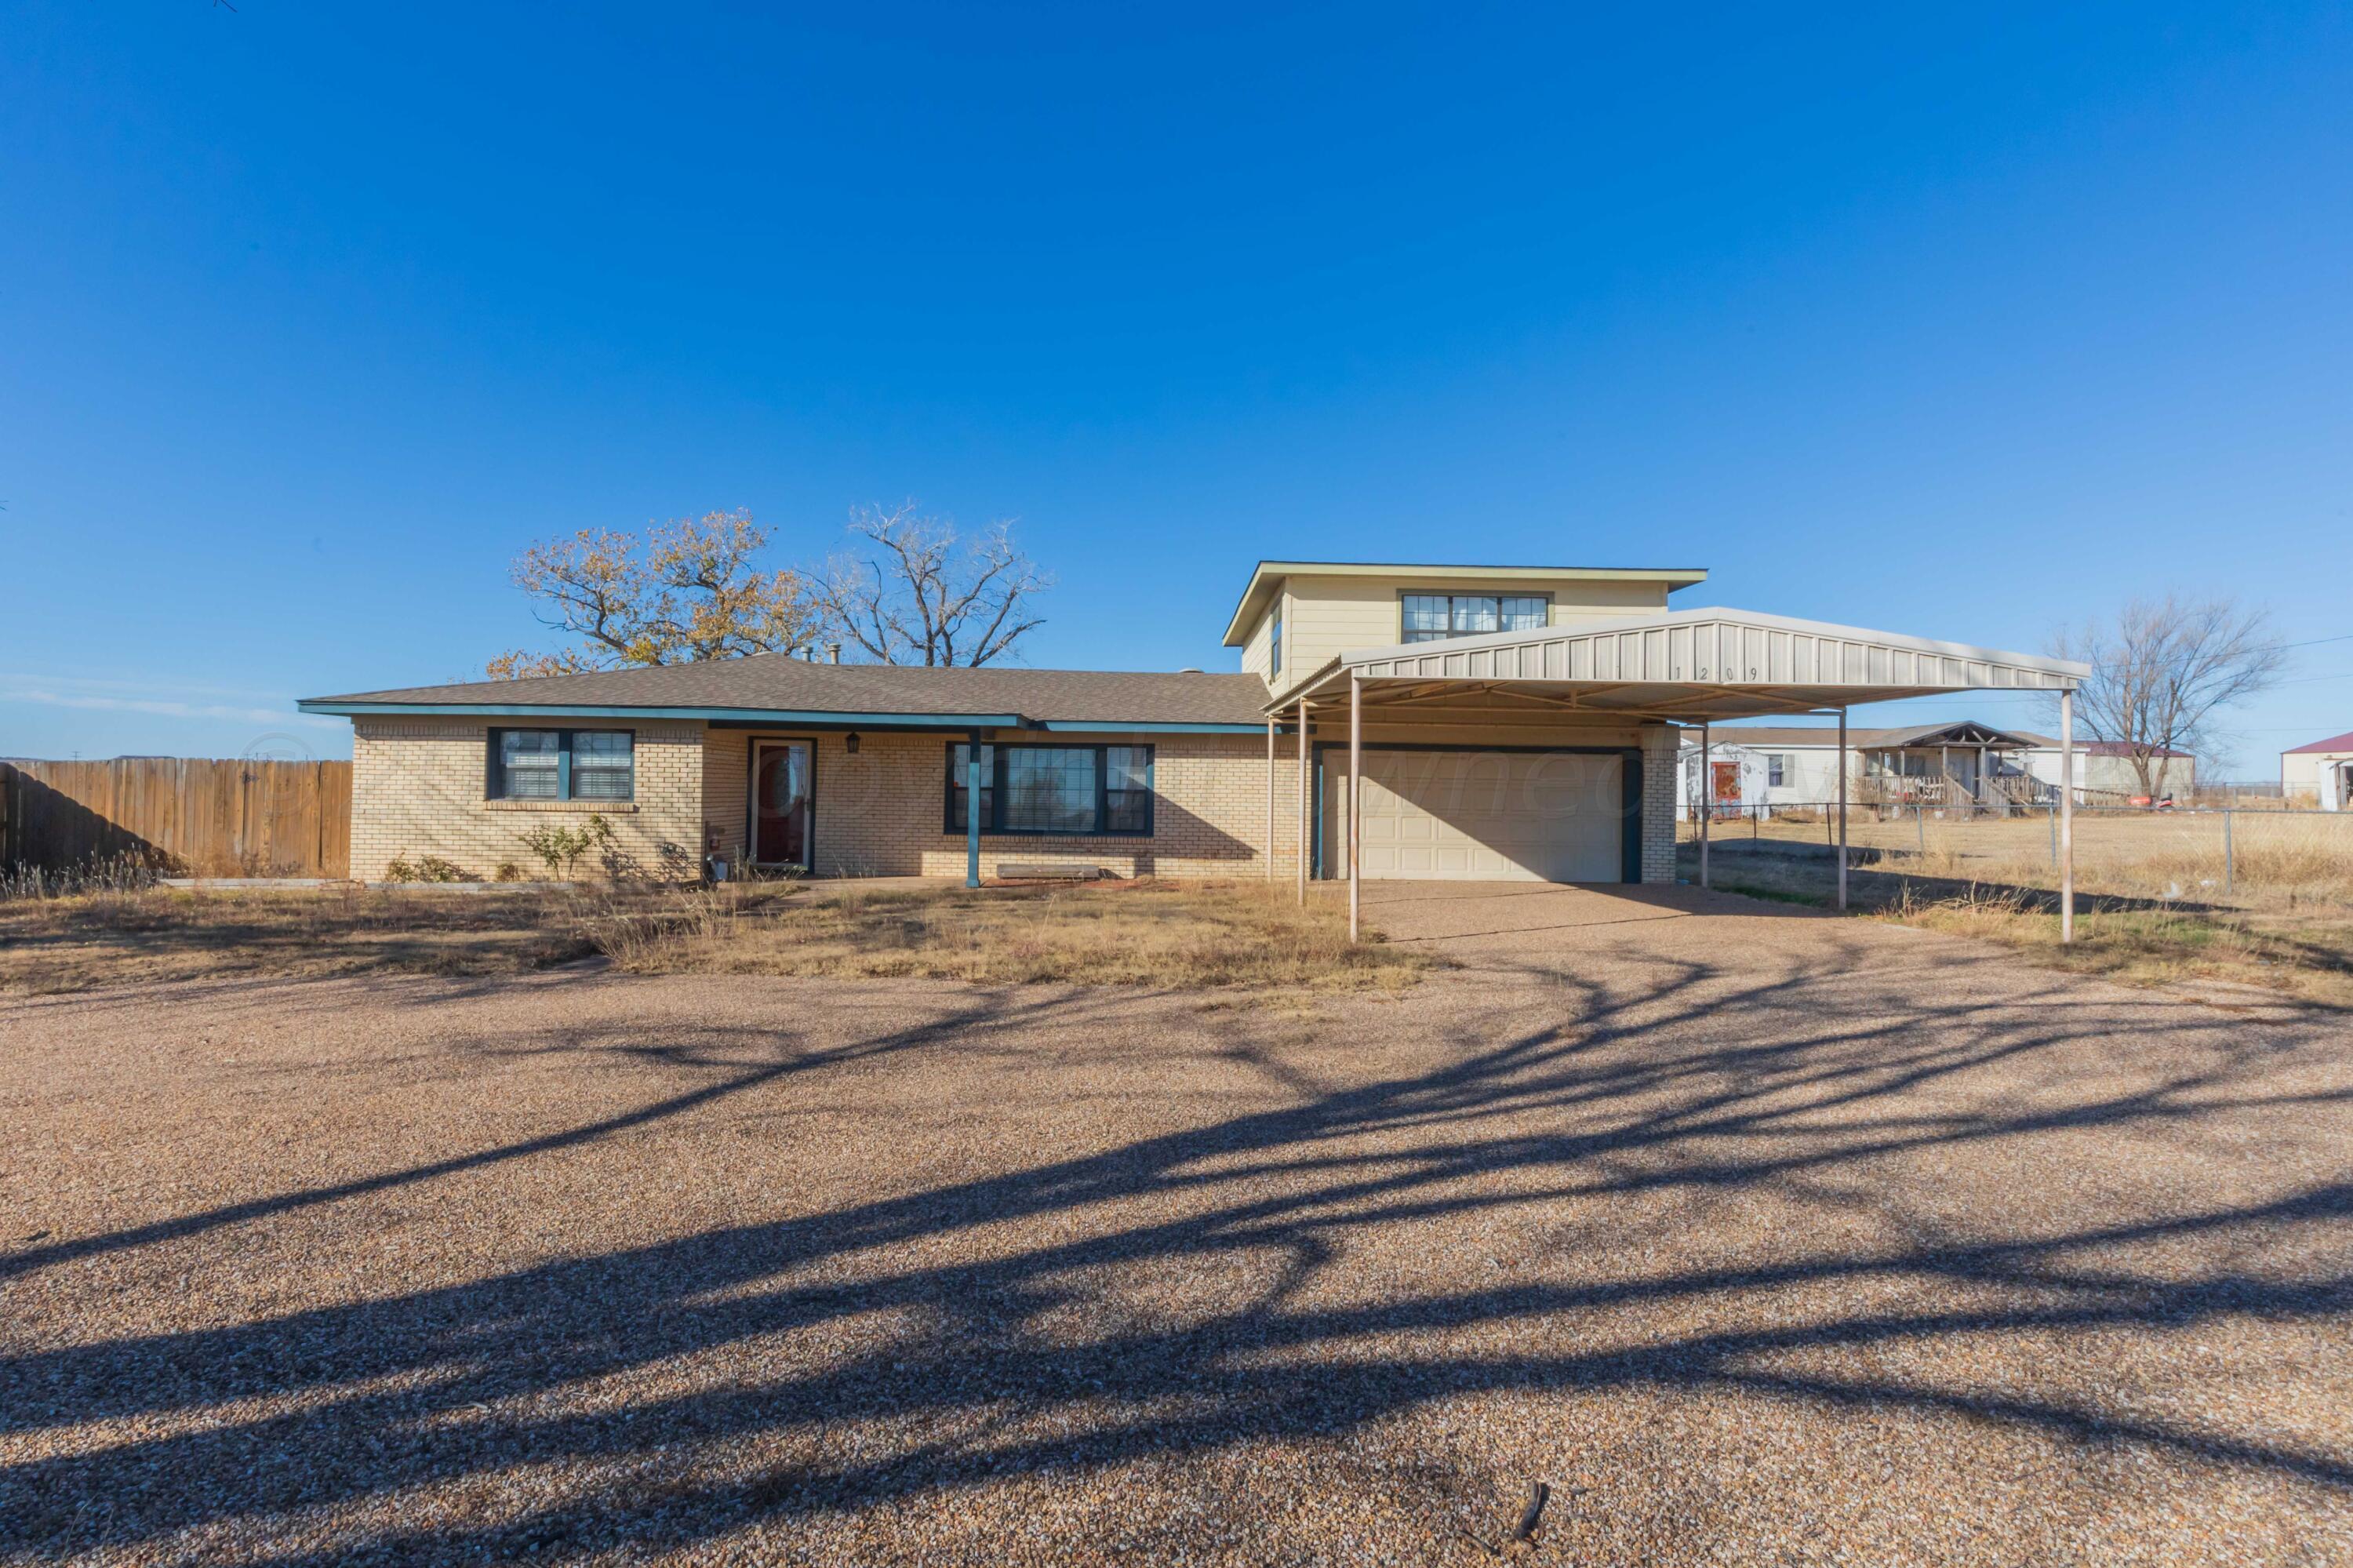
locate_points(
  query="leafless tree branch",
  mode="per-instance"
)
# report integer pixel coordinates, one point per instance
(915, 597)
(2164, 674)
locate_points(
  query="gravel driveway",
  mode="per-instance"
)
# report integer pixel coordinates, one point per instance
(1761, 1236)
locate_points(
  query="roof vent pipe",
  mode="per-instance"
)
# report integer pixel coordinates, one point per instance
(833, 652)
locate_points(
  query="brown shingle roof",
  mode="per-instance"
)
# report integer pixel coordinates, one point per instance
(778, 682)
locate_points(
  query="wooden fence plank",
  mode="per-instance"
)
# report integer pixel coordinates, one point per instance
(215, 817)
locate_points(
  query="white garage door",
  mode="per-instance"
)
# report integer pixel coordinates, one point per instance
(1473, 815)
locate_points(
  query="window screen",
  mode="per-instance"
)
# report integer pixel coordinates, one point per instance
(531, 763)
(959, 761)
(1064, 790)
(1049, 788)
(602, 764)
(563, 765)
(1427, 617)
(1127, 790)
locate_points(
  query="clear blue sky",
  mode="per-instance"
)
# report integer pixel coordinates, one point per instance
(311, 316)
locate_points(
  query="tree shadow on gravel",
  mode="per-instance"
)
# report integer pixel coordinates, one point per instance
(994, 1327)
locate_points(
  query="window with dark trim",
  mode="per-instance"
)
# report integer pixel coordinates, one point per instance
(562, 764)
(1274, 644)
(1061, 790)
(1427, 617)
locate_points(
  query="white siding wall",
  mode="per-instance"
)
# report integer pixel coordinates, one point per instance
(2318, 777)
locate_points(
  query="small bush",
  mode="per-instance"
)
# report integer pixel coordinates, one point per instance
(508, 871)
(433, 868)
(559, 848)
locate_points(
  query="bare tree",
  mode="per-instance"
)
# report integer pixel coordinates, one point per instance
(690, 590)
(2165, 672)
(911, 595)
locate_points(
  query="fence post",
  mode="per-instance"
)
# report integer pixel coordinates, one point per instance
(2054, 833)
(1920, 830)
(2229, 868)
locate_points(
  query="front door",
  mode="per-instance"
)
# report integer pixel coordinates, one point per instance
(1727, 785)
(780, 803)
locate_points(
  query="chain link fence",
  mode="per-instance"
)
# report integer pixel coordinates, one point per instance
(2253, 856)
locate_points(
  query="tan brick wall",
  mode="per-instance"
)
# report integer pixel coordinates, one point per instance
(880, 814)
(418, 789)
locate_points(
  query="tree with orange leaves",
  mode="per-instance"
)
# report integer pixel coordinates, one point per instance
(690, 589)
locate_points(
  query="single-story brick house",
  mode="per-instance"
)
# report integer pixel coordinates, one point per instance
(1508, 722)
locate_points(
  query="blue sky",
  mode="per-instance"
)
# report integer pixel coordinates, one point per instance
(310, 317)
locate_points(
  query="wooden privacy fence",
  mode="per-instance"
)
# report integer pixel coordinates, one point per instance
(211, 817)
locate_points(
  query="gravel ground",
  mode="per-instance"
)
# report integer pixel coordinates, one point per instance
(1760, 1236)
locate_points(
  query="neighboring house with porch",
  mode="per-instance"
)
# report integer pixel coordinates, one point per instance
(2319, 773)
(1962, 763)
(1507, 722)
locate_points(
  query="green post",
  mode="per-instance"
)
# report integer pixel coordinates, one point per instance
(971, 814)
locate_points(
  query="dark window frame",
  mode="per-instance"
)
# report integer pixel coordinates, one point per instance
(993, 793)
(1274, 642)
(1407, 636)
(494, 782)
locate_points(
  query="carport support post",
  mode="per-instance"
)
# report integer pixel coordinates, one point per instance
(972, 814)
(1303, 799)
(2067, 814)
(1706, 798)
(1842, 771)
(1356, 770)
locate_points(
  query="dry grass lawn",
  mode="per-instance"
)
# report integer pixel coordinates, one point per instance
(2274, 861)
(88, 940)
(1190, 935)
(1179, 934)
(2302, 949)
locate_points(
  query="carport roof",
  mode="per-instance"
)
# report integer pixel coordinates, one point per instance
(1687, 665)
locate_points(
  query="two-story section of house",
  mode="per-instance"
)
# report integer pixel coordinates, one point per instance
(1456, 784)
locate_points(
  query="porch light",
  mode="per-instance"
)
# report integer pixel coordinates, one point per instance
(850, 743)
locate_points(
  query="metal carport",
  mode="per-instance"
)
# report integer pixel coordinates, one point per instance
(1686, 666)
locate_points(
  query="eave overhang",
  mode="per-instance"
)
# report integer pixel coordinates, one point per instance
(769, 719)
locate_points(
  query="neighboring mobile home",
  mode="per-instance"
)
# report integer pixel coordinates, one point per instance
(1954, 764)
(2319, 773)
(1511, 722)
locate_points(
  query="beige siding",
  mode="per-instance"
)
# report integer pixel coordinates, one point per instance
(1258, 653)
(1330, 616)
(417, 788)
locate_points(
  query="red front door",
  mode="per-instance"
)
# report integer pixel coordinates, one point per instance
(1727, 787)
(780, 804)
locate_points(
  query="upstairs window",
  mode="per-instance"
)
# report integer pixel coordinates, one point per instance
(562, 764)
(1427, 617)
(1274, 644)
